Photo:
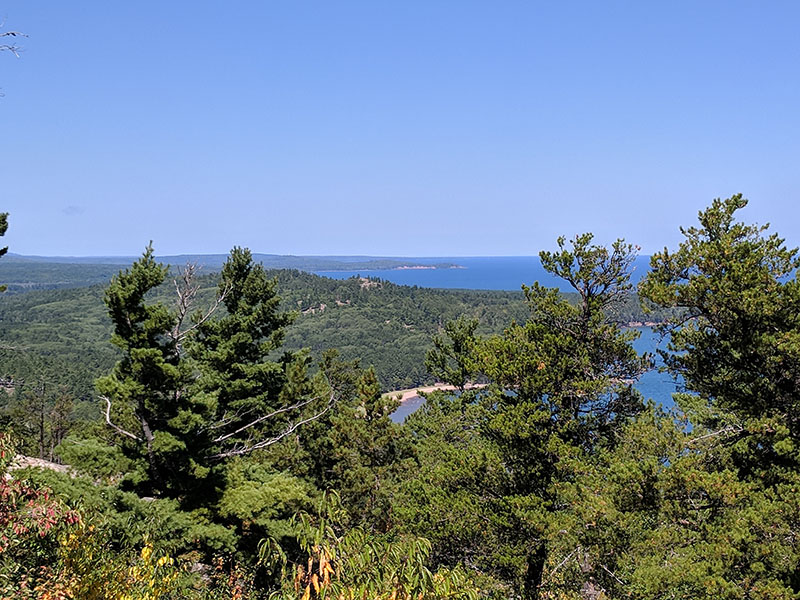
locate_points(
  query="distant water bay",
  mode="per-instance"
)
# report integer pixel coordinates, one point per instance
(653, 385)
(477, 273)
(509, 273)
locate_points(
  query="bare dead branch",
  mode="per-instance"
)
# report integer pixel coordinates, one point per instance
(212, 309)
(115, 427)
(13, 48)
(186, 290)
(557, 567)
(249, 447)
(728, 429)
(263, 418)
(607, 570)
(227, 420)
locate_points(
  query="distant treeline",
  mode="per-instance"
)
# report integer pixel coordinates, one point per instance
(26, 273)
(61, 335)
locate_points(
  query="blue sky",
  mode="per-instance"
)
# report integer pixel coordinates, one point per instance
(414, 128)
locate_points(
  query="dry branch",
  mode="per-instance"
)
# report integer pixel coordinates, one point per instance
(186, 290)
(249, 446)
(116, 427)
(13, 48)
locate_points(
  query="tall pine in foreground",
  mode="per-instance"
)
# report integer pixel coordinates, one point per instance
(560, 389)
(740, 353)
(187, 397)
(144, 392)
(730, 530)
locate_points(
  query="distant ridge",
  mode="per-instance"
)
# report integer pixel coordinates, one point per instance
(23, 273)
(270, 261)
(70, 260)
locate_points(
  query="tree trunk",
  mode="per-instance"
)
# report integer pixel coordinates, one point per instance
(534, 572)
(155, 474)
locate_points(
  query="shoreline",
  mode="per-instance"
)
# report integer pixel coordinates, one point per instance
(410, 393)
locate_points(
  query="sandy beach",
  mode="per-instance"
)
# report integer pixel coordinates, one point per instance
(409, 393)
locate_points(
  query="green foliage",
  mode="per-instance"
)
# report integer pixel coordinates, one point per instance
(128, 519)
(250, 399)
(40, 415)
(366, 455)
(31, 520)
(263, 500)
(552, 481)
(452, 497)
(450, 358)
(144, 386)
(23, 275)
(355, 564)
(190, 403)
(355, 448)
(60, 336)
(732, 279)
(94, 458)
(560, 386)
(738, 354)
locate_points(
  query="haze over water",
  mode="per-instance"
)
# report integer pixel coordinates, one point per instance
(478, 273)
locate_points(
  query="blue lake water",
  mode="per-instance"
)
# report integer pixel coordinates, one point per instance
(653, 385)
(477, 273)
(509, 273)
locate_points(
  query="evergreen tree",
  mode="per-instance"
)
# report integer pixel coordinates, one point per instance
(259, 394)
(727, 527)
(561, 386)
(739, 353)
(560, 389)
(145, 392)
(188, 398)
(357, 449)
(449, 359)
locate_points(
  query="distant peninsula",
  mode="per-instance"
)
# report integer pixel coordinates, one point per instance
(24, 273)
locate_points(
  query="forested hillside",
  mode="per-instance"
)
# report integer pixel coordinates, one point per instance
(226, 464)
(61, 336)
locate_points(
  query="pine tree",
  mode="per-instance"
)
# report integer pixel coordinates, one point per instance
(738, 346)
(560, 390)
(188, 397)
(145, 391)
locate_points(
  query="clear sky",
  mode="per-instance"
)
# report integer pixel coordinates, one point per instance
(411, 128)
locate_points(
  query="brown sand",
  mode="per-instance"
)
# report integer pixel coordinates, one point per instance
(408, 394)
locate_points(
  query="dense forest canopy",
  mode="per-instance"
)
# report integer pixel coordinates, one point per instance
(240, 454)
(383, 324)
